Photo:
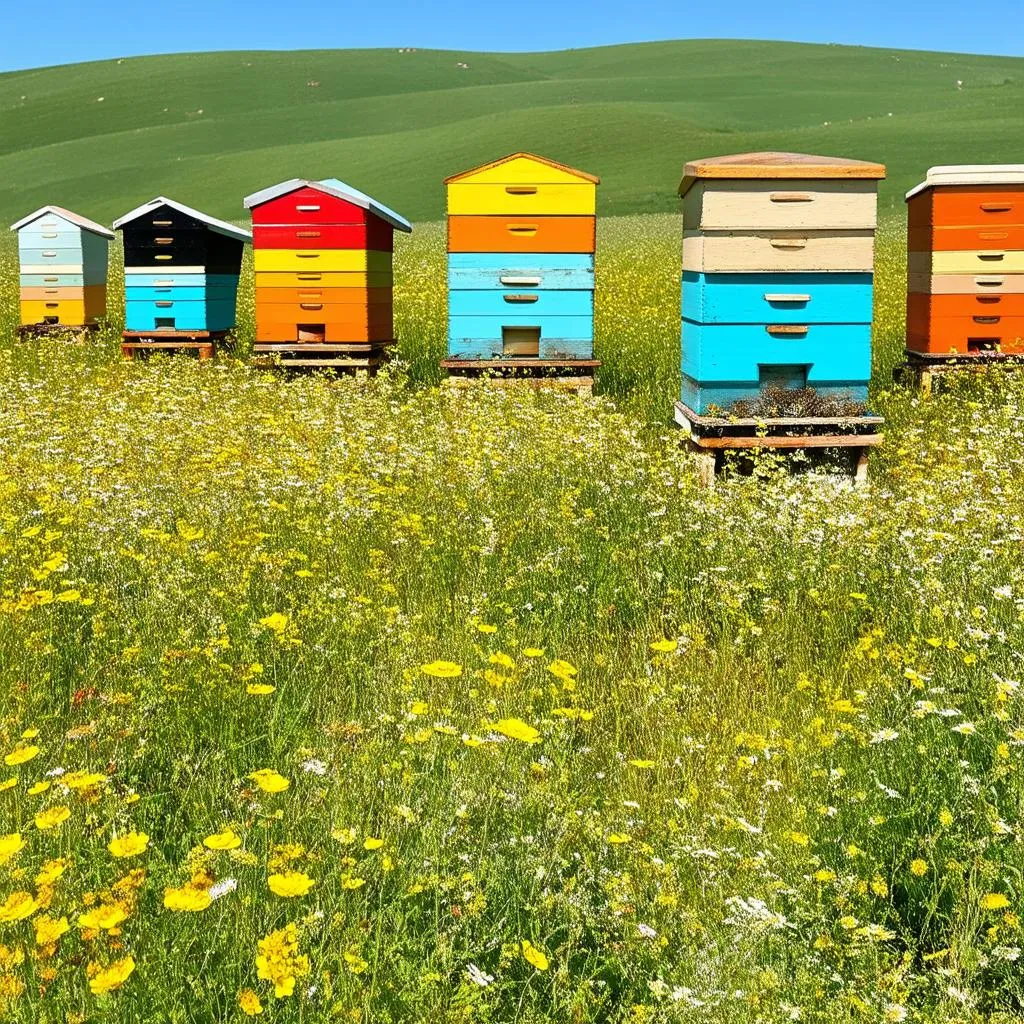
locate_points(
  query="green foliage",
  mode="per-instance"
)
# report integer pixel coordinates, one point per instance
(750, 755)
(210, 128)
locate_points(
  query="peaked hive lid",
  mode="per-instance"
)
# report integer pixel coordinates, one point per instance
(554, 164)
(970, 174)
(222, 227)
(777, 165)
(75, 218)
(331, 187)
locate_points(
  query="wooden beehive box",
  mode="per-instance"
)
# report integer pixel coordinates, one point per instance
(965, 261)
(521, 243)
(323, 255)
(181, 268)
(778, 258)
(63, 267)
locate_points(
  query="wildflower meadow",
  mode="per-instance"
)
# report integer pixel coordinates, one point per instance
(385, 701)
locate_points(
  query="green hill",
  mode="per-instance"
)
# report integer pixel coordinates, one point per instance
(209, 128)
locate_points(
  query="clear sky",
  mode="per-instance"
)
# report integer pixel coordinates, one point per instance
(64, 31)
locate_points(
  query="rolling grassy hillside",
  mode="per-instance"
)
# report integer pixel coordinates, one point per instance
(209, 128)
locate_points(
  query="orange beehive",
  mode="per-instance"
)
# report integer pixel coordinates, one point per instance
(322, 253)
(965, 261)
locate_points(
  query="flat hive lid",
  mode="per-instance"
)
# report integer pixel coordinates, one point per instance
(970, 174)
(777, 165)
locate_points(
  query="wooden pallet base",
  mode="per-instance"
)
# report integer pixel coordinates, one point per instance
(344, 356)
(561, 374)
(709, 437)
(140, 344)
(924, 370)
(58, 330)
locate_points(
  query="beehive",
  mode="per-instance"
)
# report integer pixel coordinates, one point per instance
(181, 269)
(778, 261)
(521, 242)
(965, 261)
(63, 264)
(323, 253)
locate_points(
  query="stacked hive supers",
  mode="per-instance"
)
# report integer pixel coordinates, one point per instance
(323, 253)
(965, 261)
(181, 269)
(63, 259)
(521, 241)
(778, 258)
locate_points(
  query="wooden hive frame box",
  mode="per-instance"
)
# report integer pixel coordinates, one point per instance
(63, 270)
(181, 278)
(778, 262)
(965, 269)
(323, 257)
(521, 244)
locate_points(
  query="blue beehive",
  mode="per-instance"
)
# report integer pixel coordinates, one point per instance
(521, 241)
(181, 268)
(778, 258)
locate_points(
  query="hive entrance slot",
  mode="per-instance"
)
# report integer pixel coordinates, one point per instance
(788, 377)
(311, 332)
(520, 341)
(51, 319)
(164, 323)
(982, 344)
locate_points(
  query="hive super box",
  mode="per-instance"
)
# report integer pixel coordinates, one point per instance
(322, 251)
(778, 261)
(181, 269)
(63, 263)
(965, 261)
(521, 241)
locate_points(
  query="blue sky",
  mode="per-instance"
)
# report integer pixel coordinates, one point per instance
(116, 28)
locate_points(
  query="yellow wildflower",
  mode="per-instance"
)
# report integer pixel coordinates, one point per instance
(10, 845)
(269, 780)
(21, 755)
(223, 840)
(103, 918)
(189, 899)
(17, 907)
(52, 817)
(249, 1003)
(107, 979)
(517, 729)
(534, 956)
(442, 669)
(290, 884)
(131, 844)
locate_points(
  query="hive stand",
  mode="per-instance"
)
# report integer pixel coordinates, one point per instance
(709, 437)
(521, 243)
(203, 344)
(78, 332)
(924, 370)
(965, 271)
(323, 254)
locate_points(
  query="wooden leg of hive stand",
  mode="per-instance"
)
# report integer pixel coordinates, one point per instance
(924, 380)
(860, 472)
(706, 466)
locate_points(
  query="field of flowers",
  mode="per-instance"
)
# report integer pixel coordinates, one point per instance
(380, 701)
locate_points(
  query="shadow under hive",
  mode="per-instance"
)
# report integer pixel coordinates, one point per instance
(521, 242)
(778, 261)
(323, 256)
(63, 267)
(965, 263)
(181, 277)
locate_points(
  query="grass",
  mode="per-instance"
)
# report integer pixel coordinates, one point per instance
(565, 737)
(210, 128)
